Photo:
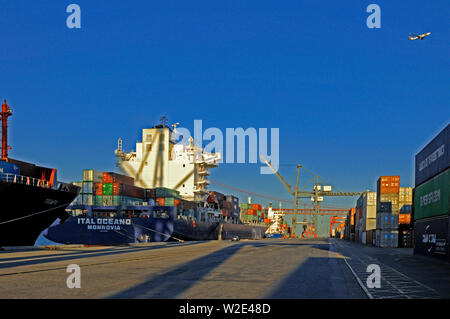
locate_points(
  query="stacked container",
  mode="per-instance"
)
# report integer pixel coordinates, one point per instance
(387, 226)
(431, 197)
(164, 196)
(251, 213)
(90, 178)
(388, 190)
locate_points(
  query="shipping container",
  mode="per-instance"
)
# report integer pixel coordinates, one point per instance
(107, 200)
(169, 201)
(432, 198)
(166, 192)
(98, 189)
(384, 207)
(434, 158)
(88, 188)
(404, 219)
(431, 237)
(110, 177)
(387, 238)
(150, 193)
(161, 201)
(98, 200)
(92, 175)
(387, 221)
(107, 189)
(88, 199)
(388, 185)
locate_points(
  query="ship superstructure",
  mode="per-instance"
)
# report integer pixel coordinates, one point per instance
(160, 162)
(276, 218)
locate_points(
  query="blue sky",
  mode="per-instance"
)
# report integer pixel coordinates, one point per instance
(351, 103)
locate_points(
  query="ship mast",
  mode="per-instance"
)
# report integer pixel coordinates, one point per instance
(6, 112)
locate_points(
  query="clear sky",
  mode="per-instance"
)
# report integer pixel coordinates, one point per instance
(352, 103)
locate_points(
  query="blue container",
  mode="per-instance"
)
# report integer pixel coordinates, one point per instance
(8, 168)
(434, 158)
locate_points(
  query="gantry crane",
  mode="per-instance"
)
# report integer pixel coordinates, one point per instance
(316, 195)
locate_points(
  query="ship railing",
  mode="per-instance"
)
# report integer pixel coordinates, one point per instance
(36, 182)
(19, 179)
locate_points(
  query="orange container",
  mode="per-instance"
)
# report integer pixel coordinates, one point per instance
(98, 189)
(161, 201)
(388, 184)
(404, 219)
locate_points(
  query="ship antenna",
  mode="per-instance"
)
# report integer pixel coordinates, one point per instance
(6, 112)
(163, 121)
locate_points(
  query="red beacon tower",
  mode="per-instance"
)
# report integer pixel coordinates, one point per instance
(6, 112)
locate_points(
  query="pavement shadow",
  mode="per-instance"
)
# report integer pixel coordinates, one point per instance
(176, 281)
(315, 278)
(36, 260)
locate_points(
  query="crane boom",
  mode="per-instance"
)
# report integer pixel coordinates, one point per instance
(288, 187)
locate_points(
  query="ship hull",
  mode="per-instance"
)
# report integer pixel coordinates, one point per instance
(27, 210)
(192, 230)
(107, 231)
(117, 231)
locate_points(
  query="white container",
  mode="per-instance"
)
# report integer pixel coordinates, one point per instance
(88, 188)
(92, 175)
(88, 200)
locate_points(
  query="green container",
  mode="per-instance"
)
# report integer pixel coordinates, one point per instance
(169, 201)
(166, 192)
(98, 200)
(245, 206)
(107, 188)
(432, 198)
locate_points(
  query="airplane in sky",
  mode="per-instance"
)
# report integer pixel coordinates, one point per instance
(418, 36)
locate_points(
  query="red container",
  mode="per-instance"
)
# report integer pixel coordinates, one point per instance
(117, 178)
(161, 201)
(256, 207)
(128, 190)
(107, 178)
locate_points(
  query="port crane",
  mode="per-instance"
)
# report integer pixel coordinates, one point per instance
(5, 113)
(319, 191)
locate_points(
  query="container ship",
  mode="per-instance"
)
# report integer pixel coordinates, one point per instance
(31, 198)
(159, 194)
